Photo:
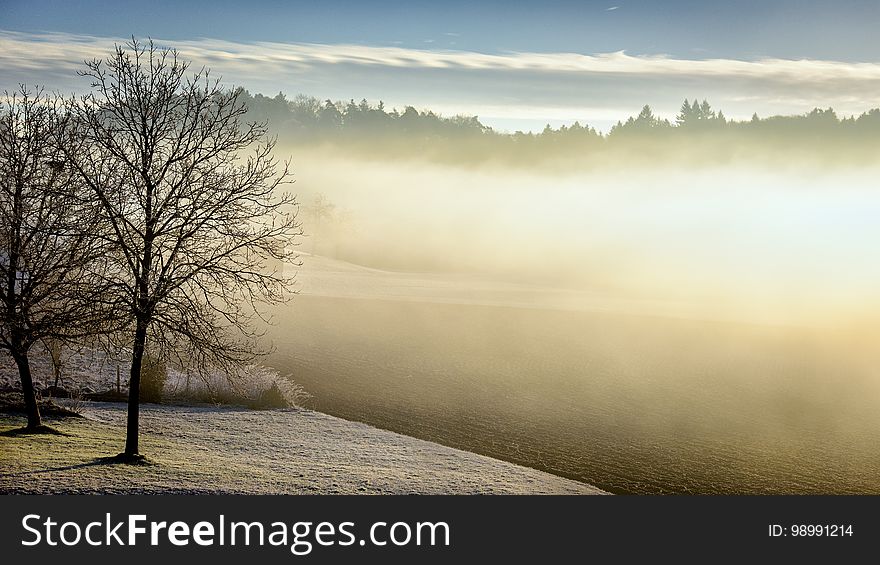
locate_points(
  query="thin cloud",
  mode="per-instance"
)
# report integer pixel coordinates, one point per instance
(612, 8)
(19, 50)
(23, 50)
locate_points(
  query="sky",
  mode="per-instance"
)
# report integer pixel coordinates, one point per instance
(516, 64)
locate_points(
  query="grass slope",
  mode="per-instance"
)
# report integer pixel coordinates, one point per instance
(221, 450)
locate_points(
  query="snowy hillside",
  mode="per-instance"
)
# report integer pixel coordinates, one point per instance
(218, 450)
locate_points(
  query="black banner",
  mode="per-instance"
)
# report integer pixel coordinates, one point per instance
(434, 529)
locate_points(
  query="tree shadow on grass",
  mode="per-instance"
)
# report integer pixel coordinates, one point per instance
(39, 430)
(121, 459)
(124, 459)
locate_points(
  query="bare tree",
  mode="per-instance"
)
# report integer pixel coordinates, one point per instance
(320, 212)
(193, 198)
(49, 250)
(55, 349)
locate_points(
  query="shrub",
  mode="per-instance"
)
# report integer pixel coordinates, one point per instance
(272, 397)
(253, 386)
(275, 391)
(154, 373)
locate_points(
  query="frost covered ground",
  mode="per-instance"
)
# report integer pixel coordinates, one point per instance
(222, 450)
(89, 368)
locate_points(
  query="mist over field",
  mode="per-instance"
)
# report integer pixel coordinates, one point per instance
(644, 329)
(751, 244)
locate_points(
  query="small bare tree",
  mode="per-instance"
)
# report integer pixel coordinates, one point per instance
(192, 196)
(50, 250)
(55, 349)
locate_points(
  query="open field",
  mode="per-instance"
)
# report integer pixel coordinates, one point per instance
(632, 404)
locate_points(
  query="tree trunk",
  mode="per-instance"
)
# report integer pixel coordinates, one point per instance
(55, 354)
(134, 386)
(27, 388)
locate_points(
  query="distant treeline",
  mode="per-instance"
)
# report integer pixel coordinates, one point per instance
(698, 133)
